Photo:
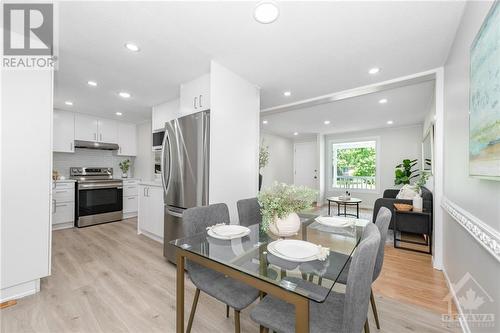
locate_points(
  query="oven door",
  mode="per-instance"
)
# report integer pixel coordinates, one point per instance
(99, 204)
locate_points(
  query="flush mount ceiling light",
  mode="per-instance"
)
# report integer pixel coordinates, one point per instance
(70, 103)
(265, 122)
(287, 93)
(326, 122)
(383, 101)
(118, 113)
(295, 133)
(132, 47)
(92, 83)
(374, 70)
(390, 122)
(124, 94)
(266, 12)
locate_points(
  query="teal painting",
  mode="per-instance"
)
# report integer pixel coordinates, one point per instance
(484, 104)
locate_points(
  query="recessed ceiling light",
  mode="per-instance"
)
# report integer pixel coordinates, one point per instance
(92, 83)
(265, 122)
(326, 122)
(287, 93)
(295, 133)
(118, 113)
(383, 101)
(374, 70)
(390, 122)
(70, 103)
(132, 47)
(266, 12)
(124, 94)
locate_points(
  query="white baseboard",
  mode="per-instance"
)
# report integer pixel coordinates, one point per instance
(60, 226)
(129, 215)
(150, 235)
(463, 323)
(20, 290)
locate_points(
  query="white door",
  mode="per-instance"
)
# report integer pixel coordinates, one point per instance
(305, 164)
(64, 132)
(195, 95)
(108, 131)
(156, 198)
(143, 209)
(127, 139)
(85, 128)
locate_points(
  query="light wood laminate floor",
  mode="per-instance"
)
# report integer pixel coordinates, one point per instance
(108, 279)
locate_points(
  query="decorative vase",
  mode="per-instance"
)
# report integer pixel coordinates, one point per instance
(418, 203)
(260, 181)
(124, 175)
(287, 226)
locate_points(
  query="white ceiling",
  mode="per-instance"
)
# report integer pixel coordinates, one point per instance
(312, 49)
(405, 106)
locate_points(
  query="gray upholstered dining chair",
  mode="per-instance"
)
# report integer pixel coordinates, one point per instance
(249, 211)
(233, 293)
(340, 312)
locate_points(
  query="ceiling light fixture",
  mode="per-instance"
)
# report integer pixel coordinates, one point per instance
(383, 101)
(287, 93)
(118, 113)
(265, 122)
(326, 122)
(295, 133)
(70, 103)
(266, 12)
(92, 83)
(124, 94)
(390, 122)
(374, 70)
(132, 47)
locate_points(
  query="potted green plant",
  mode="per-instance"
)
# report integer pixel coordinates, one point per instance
(417, 200)
(280, 205)
(263, 161)
(405, 172)
(124, 166)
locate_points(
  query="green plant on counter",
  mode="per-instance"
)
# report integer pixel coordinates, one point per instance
(422, 180)
(124, 165)
(281, 199)
(263, 156)
(404, 172)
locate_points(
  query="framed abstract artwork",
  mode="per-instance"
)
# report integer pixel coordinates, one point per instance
(484, 99)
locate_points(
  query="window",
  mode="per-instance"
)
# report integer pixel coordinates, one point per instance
(354, 165)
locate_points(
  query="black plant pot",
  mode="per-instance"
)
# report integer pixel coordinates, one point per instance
(260, 181)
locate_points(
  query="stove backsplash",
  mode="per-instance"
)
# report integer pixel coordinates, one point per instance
(90, 158)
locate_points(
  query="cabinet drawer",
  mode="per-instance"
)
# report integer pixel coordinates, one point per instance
(130, 190)
(130, 204)
(64, 185)
(63, 213)
(64, 194)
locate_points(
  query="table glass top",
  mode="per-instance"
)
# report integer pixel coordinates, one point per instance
(250, 255)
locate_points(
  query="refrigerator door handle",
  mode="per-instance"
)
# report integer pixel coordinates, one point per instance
(165, 182)
(172, 212)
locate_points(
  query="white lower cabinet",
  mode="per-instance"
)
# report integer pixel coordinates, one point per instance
(150, 214)
(130, 198)
(63, 205)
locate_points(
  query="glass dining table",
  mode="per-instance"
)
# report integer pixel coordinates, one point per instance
(248, 260)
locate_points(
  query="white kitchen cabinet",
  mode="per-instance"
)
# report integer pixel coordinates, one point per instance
(150, 212)
(63, 205)
(107, 130)
(85, 127)
(130, 198)
(63, 139)
(195, 95)
(127, 139)
(163, 113)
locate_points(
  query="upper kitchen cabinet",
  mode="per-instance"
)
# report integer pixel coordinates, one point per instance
(164, 112)
(63, 132)
(127, 139)
(107, 130)
(195, 95)
(85, 127)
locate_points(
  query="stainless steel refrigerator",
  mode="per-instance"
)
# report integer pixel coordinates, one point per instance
(184, 170)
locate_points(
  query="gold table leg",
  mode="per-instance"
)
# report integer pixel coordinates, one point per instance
(302, 315)
(180, 292)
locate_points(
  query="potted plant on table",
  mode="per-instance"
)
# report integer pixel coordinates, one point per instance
(263, 160)
(417, 200)
(280, 205)
(124, 166)
(404, 172)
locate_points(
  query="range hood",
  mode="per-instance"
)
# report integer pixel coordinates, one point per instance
(96, 145)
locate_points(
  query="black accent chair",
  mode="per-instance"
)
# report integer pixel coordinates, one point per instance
(389, 199)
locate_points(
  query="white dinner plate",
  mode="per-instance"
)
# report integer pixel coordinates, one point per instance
(294, 250)
(228, 231)
(335, 221)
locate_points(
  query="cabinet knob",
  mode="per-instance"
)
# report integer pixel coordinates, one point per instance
(200, 102)
(194, 102)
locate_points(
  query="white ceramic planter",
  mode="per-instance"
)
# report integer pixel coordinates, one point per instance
(287, 226)
(418, 203)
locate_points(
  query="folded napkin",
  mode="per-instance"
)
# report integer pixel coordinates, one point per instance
(324, 252)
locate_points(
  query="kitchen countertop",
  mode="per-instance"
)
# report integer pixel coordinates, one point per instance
(65, 181)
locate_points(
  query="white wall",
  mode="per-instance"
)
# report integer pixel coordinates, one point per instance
(26, 170)
(144, 161)
(280, 166)
(395, 144)
(481, 198)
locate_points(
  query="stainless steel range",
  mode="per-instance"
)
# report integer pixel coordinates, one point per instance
(99, 197)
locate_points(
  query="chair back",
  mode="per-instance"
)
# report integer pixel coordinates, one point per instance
(197, 219)
(359, 281)
(382, 222)
(249, 212)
